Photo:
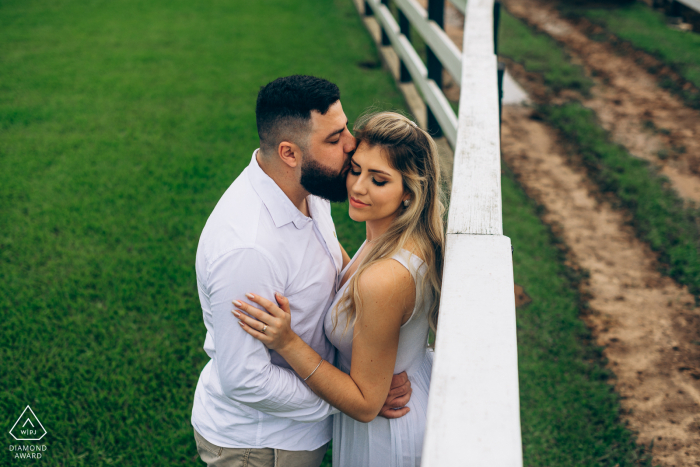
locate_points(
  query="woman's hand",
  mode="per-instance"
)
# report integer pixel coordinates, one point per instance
(274, 328)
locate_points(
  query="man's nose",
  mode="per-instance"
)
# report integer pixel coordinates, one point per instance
(351, 145)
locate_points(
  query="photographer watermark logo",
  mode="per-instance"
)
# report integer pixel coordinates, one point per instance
(28, 427)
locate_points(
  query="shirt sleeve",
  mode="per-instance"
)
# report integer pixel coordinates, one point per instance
(242, 362)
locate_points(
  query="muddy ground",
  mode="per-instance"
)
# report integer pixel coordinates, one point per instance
(649, 121)
(648, 324)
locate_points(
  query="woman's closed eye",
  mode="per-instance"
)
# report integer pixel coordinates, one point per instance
(374, 180)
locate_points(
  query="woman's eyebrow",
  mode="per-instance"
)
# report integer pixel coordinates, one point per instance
(379, 172)
(352, 161)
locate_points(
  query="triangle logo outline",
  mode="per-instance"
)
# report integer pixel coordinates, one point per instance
(30, 422)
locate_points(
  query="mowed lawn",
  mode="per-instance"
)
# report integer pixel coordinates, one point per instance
(121, 124)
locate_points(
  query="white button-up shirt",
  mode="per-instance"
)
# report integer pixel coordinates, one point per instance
(257, 241)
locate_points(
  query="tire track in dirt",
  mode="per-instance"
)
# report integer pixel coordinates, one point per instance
(647, 323)
(647, 120)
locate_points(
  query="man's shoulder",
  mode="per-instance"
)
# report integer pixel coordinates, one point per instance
(234, 221)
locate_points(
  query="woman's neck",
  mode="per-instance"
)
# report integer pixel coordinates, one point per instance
(377, 228)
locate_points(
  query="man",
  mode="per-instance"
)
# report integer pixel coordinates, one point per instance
(272, 232)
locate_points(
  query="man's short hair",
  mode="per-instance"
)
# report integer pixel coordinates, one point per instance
(283, 109)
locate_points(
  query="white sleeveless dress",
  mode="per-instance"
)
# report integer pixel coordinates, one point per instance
(383, 442)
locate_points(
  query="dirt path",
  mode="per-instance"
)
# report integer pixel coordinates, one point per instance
(649, 121)
(646, 322)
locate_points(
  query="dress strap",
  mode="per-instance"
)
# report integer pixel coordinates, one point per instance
(417, 267)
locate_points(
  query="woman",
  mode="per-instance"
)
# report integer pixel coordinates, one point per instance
(387, 301)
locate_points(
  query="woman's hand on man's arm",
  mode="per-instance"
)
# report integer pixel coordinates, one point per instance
(388, 293)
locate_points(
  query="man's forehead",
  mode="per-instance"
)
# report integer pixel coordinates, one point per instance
(333, 117)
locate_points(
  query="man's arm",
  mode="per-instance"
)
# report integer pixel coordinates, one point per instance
(388, 292)
(242, 362)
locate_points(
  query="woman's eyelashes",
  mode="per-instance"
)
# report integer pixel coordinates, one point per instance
(356, 173)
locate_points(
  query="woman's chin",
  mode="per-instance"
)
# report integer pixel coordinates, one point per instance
(354, 216)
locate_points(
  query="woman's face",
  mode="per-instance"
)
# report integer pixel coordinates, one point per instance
(375, 189)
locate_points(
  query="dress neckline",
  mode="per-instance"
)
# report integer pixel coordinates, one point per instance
(345, 269)
(354, 258)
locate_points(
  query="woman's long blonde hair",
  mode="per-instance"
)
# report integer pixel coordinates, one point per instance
(412, 152)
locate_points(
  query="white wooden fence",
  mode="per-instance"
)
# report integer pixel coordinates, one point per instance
(694, 4)
(473, 411)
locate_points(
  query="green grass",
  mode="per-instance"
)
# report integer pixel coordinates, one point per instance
(570, 414)
(121, 124)
(539, 53)
(647, 30)
(659, 215)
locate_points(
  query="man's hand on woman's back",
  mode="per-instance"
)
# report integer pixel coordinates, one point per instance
(399, 395)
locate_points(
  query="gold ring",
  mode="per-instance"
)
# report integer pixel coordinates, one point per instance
(263, 329)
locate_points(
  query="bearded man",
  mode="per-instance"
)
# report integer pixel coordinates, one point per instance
(270, 232)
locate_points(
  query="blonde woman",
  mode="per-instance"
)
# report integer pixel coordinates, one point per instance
(387, 299)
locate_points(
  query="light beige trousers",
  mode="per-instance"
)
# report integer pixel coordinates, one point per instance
(216, 456)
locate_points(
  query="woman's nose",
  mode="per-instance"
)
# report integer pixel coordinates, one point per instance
(358, 187)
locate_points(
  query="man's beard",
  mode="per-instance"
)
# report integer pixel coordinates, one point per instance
(322, 181)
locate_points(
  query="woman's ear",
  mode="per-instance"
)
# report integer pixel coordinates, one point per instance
(290, 153)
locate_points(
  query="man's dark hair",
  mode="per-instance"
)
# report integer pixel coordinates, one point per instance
(283, 109)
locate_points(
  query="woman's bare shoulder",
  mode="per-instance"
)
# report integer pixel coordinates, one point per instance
(385, 274)
(388, 293)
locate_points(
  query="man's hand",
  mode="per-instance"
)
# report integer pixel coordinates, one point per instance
(399, 395)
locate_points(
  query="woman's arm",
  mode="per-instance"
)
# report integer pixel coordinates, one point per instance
(387, 292)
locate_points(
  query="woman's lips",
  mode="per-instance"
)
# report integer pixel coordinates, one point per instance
(357, 204)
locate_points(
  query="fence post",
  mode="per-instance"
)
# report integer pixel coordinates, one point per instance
(405, 28)
(496, 21)
(501, 72)
(436, 12)
(675, 9)
(385, 39)
(501, 65)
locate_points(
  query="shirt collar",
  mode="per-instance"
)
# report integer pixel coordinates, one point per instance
(280, 207)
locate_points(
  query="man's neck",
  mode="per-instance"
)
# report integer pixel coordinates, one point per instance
(286, 179)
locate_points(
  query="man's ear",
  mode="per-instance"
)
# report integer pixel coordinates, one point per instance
(290, 153)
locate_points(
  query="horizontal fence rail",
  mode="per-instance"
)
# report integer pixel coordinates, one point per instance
(461, 5)
(434, 36)
(693, 4)
(474, 407)
(435, 99)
